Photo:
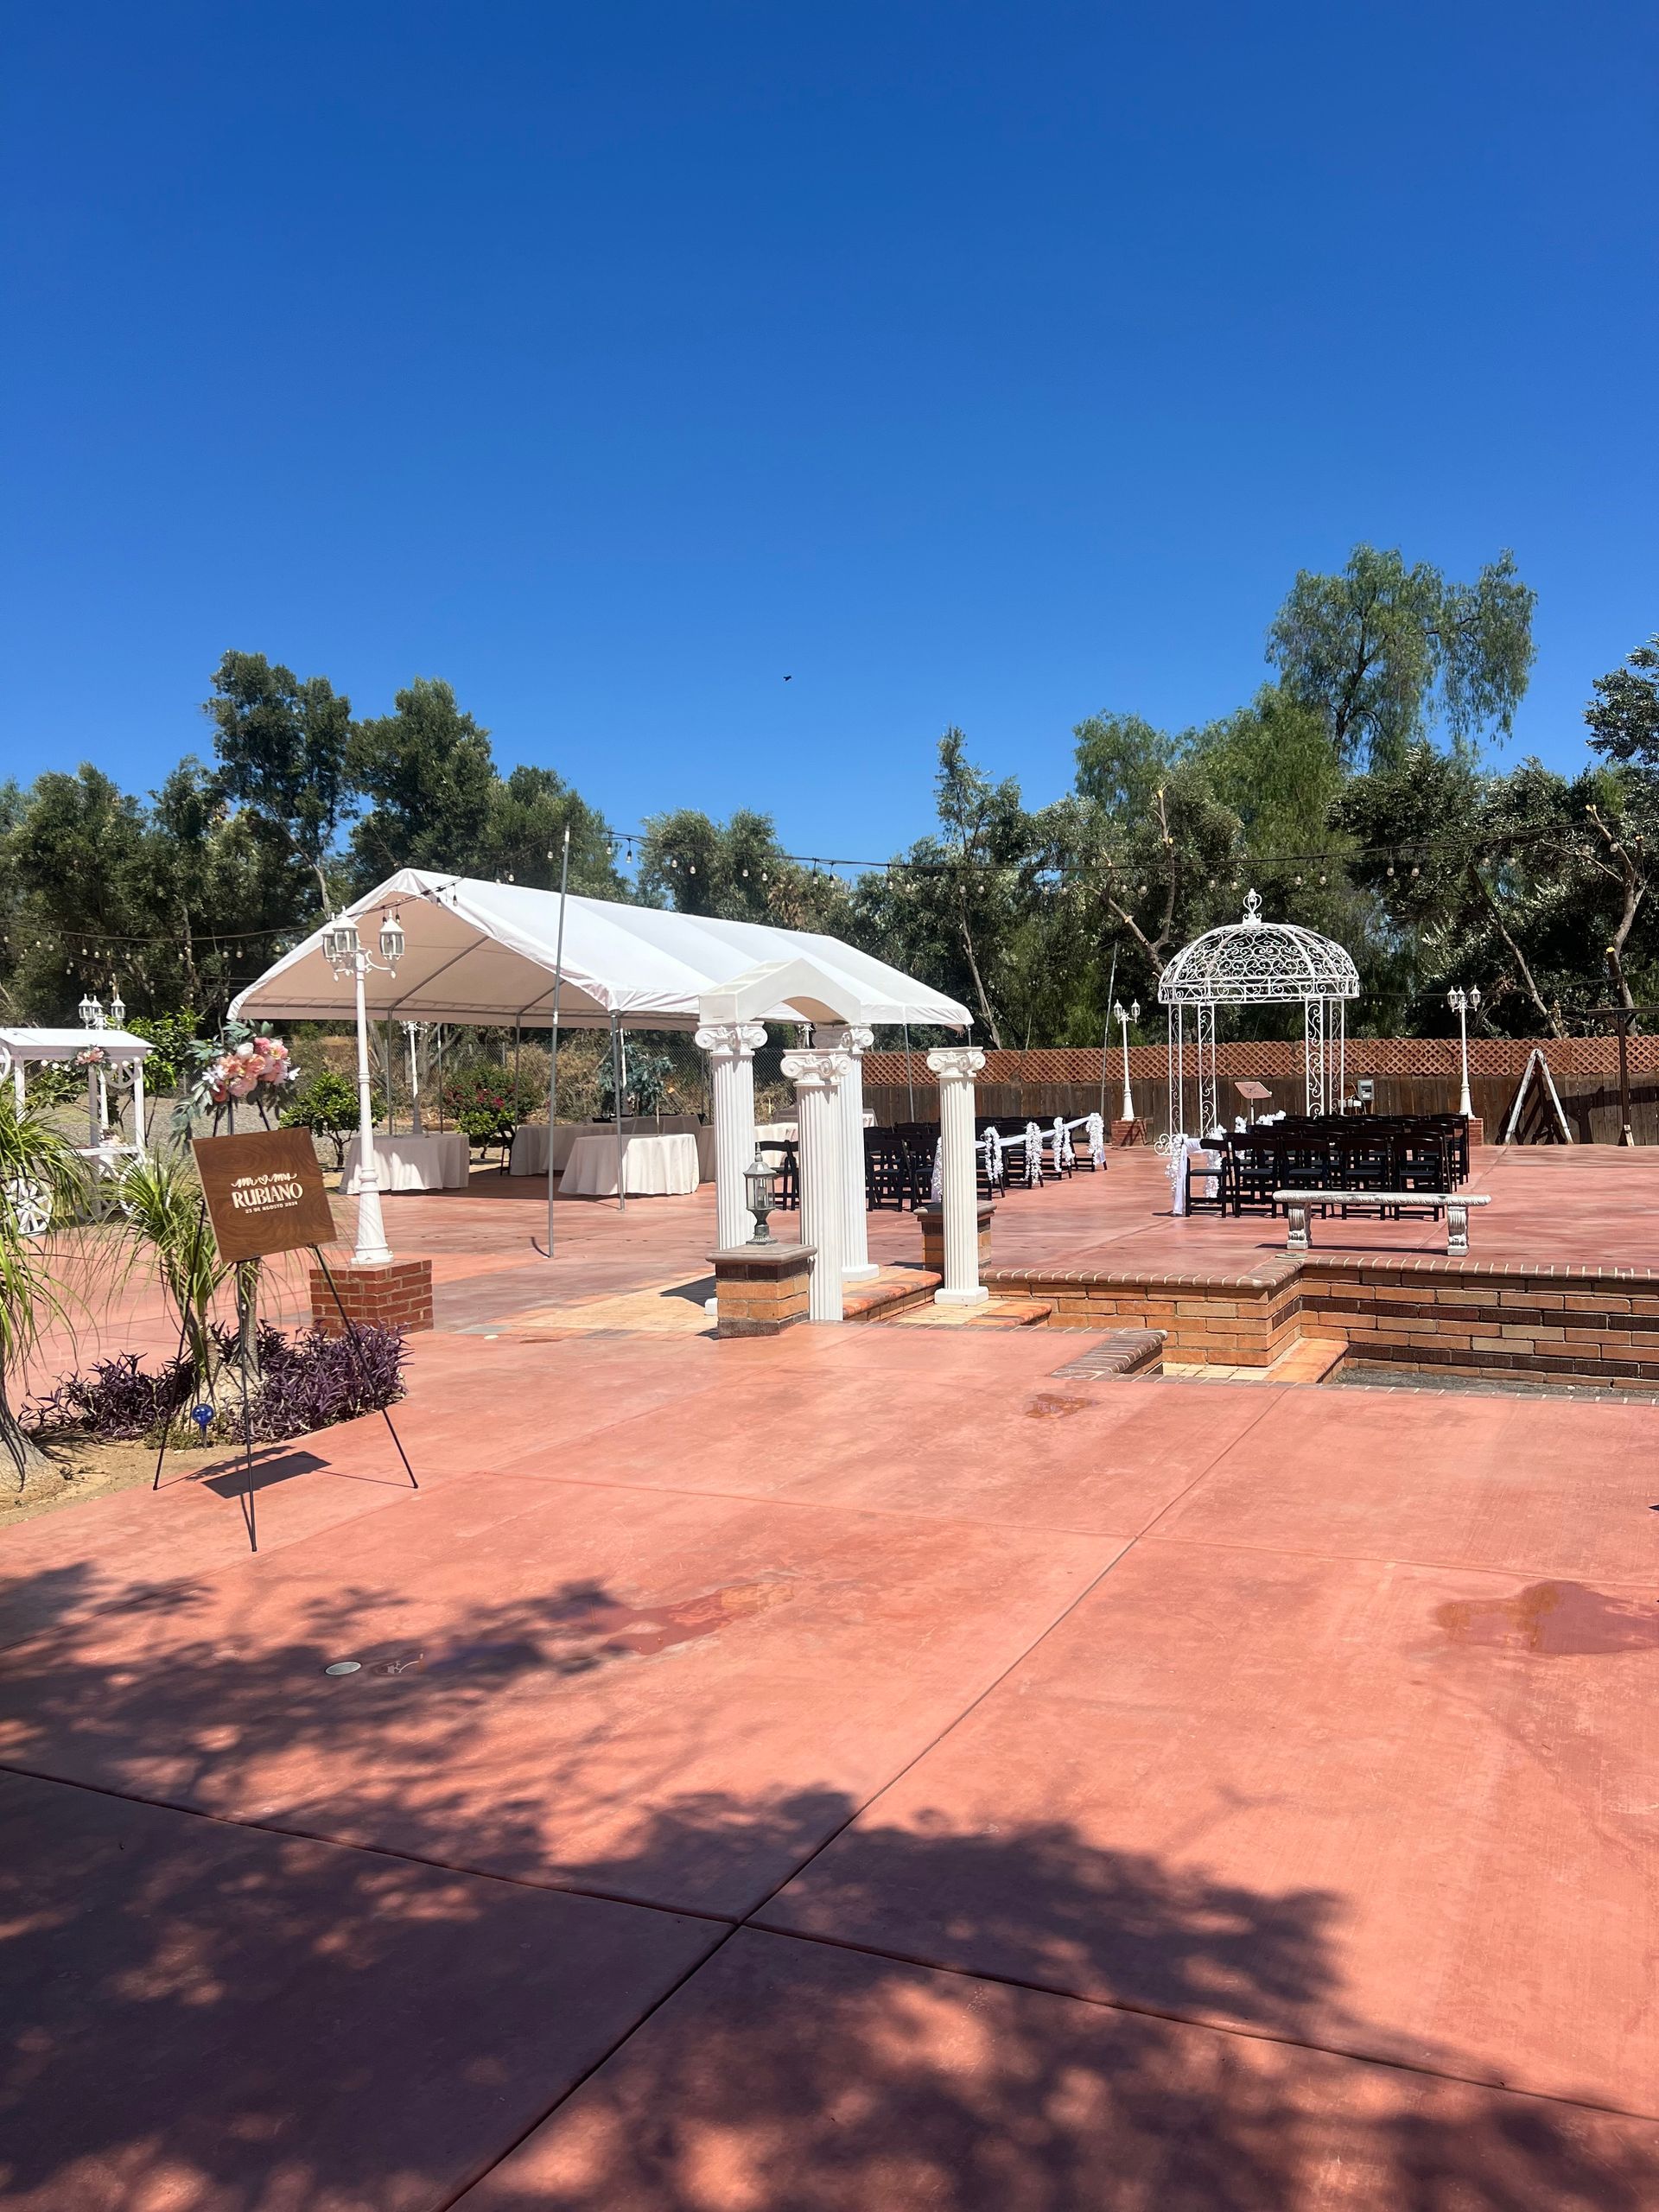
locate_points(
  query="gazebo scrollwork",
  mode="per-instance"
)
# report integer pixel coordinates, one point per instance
(1255, 963)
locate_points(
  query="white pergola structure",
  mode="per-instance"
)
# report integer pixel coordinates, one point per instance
(831, 1126)
(1255, 963)
(19, 1047)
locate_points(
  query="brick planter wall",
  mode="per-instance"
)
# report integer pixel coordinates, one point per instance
(1499, 1320)
(933, 1225)
(1223, 1321)
(762, 1289)
(1504, 1321)
(395, 1295)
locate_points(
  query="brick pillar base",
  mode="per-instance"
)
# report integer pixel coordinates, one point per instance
(398, 1294)
(1476, 1130)
(1132, 1132)
(932, 1221)
(762, 1289)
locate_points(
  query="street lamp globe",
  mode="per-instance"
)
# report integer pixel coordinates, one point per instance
(391, 941)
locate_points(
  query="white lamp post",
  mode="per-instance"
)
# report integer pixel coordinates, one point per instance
(1124, 1020)
(347, 955)
(1463, 1004)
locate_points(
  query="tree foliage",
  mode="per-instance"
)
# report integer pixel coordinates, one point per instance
(1350, 792)
(1380, 651)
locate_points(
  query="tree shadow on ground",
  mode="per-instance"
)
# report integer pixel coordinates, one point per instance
(221, 2017)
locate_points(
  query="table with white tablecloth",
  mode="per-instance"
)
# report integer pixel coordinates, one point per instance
(439, 1162)
(654, 1166)
(528, 1155)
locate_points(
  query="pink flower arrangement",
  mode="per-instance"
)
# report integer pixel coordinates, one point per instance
(239, 1072)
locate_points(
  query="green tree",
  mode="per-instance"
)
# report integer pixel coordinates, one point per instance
(731, 869)
(282, 744)
(1381, 651)
(523, 830)
(427, 770)
(1121, 760)
(1624, 716)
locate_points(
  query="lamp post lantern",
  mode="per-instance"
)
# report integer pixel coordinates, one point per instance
(347, 955)
(1463, 1004)
(1123, 1020)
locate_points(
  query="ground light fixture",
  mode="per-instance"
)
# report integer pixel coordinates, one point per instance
(761, 1183)
(345, 954)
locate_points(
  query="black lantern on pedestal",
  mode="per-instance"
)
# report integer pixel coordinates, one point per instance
(760, 1185)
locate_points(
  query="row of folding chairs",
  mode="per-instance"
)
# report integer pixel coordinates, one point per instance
(1402, 1155)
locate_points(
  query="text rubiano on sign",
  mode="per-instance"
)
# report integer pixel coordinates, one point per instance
(263, 1193)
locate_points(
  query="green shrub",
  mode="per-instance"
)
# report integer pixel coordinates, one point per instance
(326, 1105)
(171, 1036)
(489, 1104)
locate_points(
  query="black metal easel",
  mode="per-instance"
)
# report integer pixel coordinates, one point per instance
(248, 1517)
(250, 1520)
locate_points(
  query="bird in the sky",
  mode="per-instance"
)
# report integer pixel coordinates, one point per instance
(789, 679)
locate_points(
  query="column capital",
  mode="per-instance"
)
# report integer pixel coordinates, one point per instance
(845, 1037)
(815, 1071)
(731, 1041)
(955, 1063)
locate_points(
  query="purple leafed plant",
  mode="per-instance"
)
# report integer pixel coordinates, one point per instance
(307, 1382)
(119, 1400)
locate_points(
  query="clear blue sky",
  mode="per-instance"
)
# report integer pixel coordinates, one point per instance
(986, 364)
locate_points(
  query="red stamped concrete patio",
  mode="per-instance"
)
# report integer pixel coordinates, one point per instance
(860, 1770)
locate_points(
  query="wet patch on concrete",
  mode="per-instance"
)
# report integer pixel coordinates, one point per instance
(1557, 1620)
(1053, 1405)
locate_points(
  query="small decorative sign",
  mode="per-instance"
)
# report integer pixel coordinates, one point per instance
(263, 1193)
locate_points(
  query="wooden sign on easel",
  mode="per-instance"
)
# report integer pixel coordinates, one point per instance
(263, 1193)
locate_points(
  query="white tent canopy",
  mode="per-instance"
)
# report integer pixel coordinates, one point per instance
(485, 952)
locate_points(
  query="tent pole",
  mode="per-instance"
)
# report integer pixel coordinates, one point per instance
(553, 1049)
(390, 1065)
(1106, 1031)
(616, 1104)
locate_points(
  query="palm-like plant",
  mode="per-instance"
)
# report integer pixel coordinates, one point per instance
(42, 1180)
(161, 1199)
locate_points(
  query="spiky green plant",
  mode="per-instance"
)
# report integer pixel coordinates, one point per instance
(167, 1232)
(41, 1172)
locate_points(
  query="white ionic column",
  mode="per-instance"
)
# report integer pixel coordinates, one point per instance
(731, 1048)
(955, 1068)
(816, 1077)
(857, 1265)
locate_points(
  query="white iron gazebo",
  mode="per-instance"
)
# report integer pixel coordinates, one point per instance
(1255, 963)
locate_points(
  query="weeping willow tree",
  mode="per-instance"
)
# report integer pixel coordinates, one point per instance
(42, 1184)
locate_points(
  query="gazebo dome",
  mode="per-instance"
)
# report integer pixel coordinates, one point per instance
(1255, 963)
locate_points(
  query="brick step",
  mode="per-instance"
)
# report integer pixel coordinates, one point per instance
(1123, 1351)
(995, 1313)
(895, 1291)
